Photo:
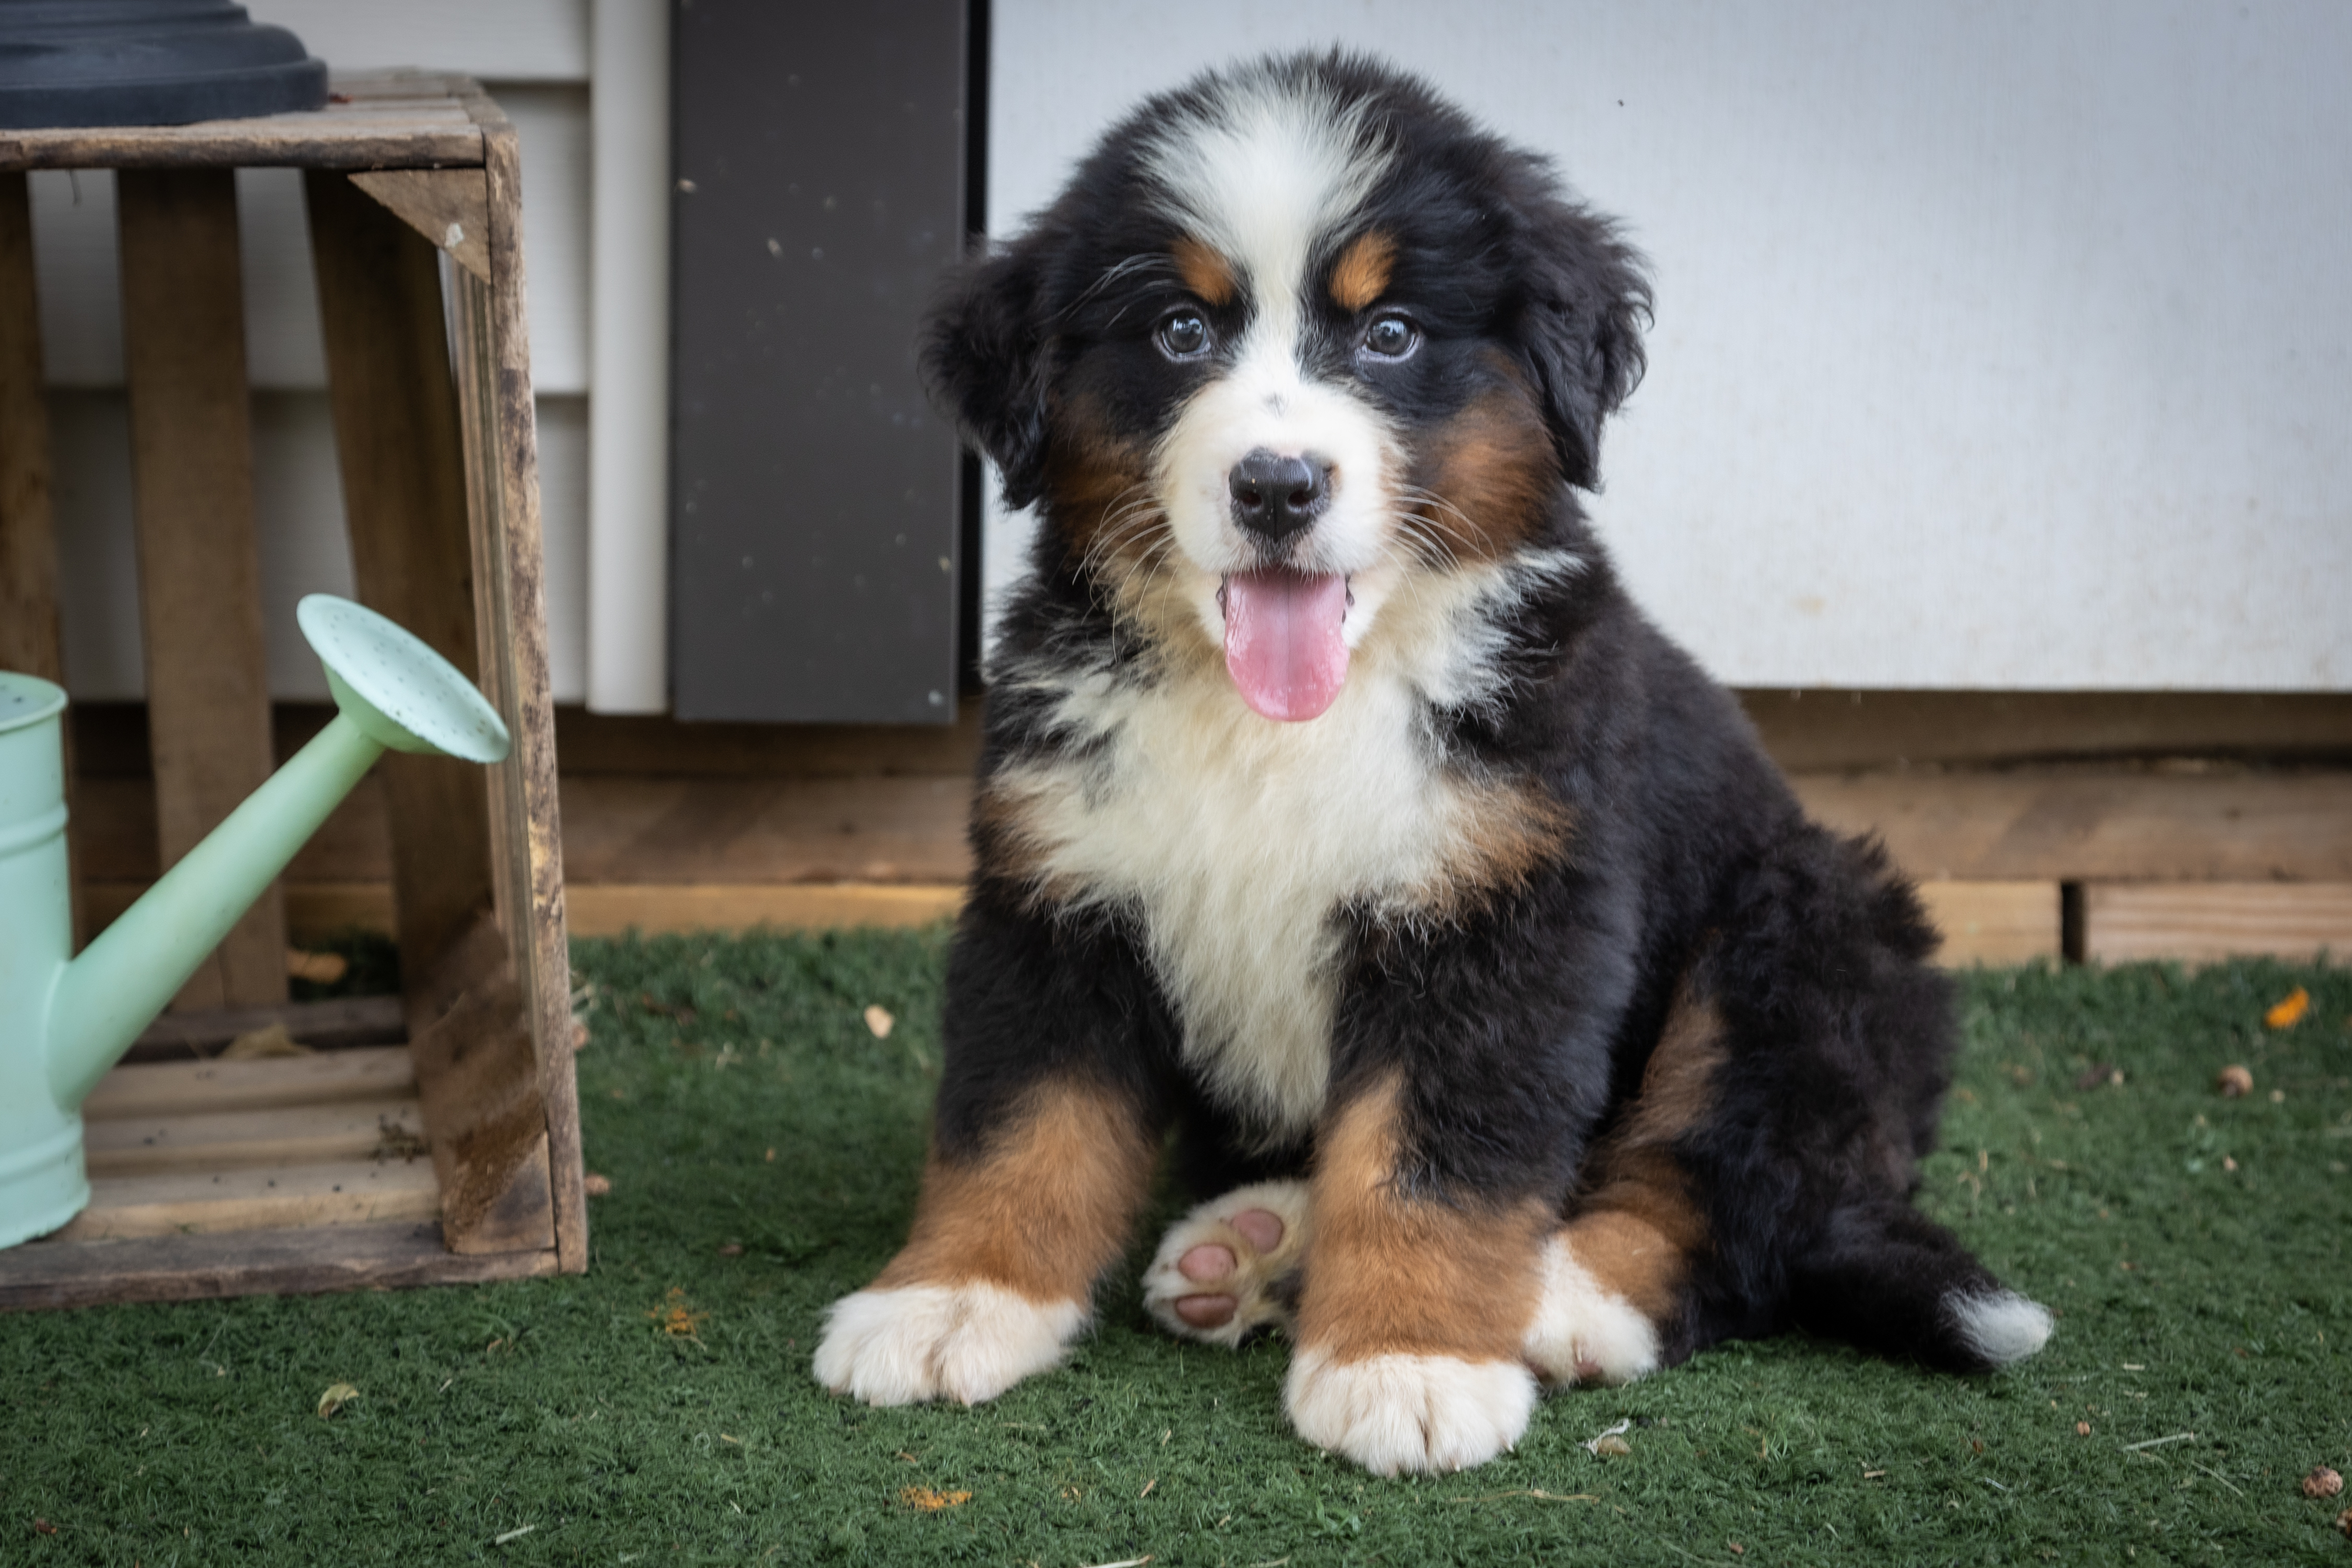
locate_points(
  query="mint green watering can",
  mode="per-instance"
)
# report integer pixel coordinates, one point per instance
(64, 1021)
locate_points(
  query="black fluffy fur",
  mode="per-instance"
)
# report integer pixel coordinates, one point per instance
(1522, 1026)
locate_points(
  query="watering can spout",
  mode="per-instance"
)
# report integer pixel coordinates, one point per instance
(392, 692)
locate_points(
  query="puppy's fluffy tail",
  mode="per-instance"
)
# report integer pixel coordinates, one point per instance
(1893, 1281)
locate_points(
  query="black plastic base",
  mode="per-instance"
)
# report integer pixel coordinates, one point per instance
(147, 62)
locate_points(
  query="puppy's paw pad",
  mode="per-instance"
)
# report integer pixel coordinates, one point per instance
(1220, 1271)
(1582, 1332)
(1395, 1413)
(965, 1343)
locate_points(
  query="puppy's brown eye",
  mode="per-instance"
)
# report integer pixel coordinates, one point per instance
(1184, 336)
(1391, 337)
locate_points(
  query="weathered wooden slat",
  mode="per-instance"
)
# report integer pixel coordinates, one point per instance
(1814, 732)
(784, 830)
(383, 1256)
(2204, 923)
(2097, 824)
(498, 418)
(611, 910)
(450, 207)
(346, 1191)
(184, 1141)
(28, 546)
(324, 1077)
(30, 641)
(199, 563)
(388, 120)
(477, 1074)
(398, 442)
(1993, 922)
(650, 746)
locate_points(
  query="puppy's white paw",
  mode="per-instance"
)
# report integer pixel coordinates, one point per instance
(1239, 1266)
(1581, 1332)
(965, 1343)
(1392, 1413)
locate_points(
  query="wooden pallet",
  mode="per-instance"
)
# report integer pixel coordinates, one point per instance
(411, 183)
(219, 1177)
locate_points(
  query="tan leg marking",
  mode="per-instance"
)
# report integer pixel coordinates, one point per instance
(995, 1279)
(1042, 1210)
(1615, 1274)
(1638, 1223)
(1410, 1321)
(1395, 1275)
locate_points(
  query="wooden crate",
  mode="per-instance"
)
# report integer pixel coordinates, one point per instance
(411, 183)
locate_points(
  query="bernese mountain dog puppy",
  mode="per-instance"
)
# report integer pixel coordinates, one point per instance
(1340, 815)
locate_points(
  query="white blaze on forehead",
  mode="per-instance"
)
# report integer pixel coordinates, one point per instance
(1267, 167)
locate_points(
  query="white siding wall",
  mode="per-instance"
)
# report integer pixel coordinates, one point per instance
(1998, 345)
(534, 55)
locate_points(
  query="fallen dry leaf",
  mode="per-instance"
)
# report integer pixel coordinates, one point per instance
(1598, 1443)
(732, 1249)
(2343, 1522)
(43, 1527)
(595, 1184)
(676, 1316)
(2082, 1429)
(578, 1036)
(878, 1019)
(254, 1045)
(2290, 1010)
(319, 968)
(929, 1501)
(2322, 1482)
(338, 1394)
(2235, 1081)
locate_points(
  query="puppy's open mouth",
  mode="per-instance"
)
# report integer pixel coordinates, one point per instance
(1284, 645)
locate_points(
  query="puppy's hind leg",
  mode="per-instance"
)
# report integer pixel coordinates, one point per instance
(1230, 1267)
(1616, 1276)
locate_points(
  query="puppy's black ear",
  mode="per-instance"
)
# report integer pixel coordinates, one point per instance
(1580, 330)
(986, 353)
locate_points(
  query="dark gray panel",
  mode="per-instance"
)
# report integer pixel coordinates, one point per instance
(814, 509)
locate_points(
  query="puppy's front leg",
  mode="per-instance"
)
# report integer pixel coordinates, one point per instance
(1007, 1240)
(1414, 1305)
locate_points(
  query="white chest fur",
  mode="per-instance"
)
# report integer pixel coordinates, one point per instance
(1237, 840)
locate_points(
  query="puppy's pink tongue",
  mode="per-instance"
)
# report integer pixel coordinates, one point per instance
(1283, 646)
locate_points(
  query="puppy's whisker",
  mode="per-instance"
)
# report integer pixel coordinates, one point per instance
(1426, 538)
(1133, 267)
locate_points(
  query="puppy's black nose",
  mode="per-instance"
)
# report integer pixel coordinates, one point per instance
(1275, 496)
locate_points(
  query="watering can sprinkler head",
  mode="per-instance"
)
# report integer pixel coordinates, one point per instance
(397, 691)
(64, 1021)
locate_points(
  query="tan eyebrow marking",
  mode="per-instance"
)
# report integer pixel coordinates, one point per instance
(1207, 274)
(1363, 271)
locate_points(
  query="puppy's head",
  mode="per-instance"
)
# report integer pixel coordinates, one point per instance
(1292, 336)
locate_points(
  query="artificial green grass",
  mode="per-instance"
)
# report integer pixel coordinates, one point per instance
(660, 1410)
